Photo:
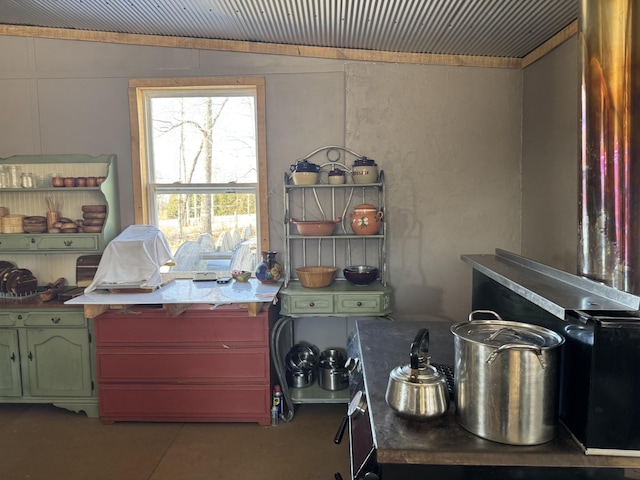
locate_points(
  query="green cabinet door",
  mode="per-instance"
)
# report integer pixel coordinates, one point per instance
(10, 384)
(58, 362)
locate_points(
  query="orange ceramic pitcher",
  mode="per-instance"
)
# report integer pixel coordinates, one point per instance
(366, 219)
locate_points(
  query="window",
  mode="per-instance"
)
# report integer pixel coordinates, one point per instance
(199, 168)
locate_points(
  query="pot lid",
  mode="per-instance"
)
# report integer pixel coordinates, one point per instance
(496, 333)
(364, 162)
(365, 207)
(426, 374)
(304, 166)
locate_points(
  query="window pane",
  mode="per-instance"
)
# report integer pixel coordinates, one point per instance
(208, 139)
(209, 231)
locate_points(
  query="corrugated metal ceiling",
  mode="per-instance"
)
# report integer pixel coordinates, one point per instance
(491, 28)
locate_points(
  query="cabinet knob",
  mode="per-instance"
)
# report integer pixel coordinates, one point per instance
(55, 319)
(68, 243)
(13, 357)
(359, 304)
(33, 240)
(312, 304)
(30, 356)
(19, 317)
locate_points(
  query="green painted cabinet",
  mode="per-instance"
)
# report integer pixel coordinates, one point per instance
(46, 356)
(10, 382)
(69, 201)
(58, 362)
(344, 247)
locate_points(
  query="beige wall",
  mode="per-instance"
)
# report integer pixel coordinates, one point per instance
(448, 138)
(551, 158)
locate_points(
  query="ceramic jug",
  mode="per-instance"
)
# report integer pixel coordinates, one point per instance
(269, 270)
(366, 219)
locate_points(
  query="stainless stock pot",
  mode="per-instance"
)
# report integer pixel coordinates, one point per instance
(506, 379)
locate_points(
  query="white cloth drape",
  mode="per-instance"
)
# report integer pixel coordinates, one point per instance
(133, 258)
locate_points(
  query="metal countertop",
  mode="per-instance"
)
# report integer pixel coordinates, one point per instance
(385, 345)
(553, 290)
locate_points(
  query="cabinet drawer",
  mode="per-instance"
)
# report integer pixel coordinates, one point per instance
(13, 242)
(73, 242)
(358, 303)
(245, 365)
(7, 319)
(184, 402)
(199, 327)
(308, 304)
(47, 319)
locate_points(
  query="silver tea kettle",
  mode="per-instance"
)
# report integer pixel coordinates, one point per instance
(418, 391)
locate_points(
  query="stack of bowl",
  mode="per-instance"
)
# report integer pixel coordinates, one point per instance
(332, 372)
(301, 365)
(93, 217)
(34, 224)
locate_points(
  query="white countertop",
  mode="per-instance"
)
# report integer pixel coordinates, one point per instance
(186, 291)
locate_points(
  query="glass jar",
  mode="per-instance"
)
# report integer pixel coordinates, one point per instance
(26, 180)
(15, 173)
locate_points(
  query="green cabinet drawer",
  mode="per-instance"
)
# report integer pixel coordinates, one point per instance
(307, 304)
(7, 319)
(14, 242)
(51, 318)
(72, 242)
(358, 304)
(17, 242)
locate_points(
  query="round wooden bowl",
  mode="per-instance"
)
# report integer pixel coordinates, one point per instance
(94, 208)
(94, 215)
(35, 227)
(34, 220)
(91, 222)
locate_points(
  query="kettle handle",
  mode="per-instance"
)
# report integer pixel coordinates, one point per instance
(419, 346)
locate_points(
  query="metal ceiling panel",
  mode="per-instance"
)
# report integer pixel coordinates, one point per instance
(492, 28)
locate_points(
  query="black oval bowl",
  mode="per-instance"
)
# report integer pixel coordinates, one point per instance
(360, 274)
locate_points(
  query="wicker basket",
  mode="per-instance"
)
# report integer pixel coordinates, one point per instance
(11, 224)
(316, 277)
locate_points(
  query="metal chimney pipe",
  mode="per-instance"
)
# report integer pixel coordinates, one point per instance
(609, 230)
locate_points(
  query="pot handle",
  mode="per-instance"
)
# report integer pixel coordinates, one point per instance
(419, 346)
(520, 346)
(343, 426)
(488, 312)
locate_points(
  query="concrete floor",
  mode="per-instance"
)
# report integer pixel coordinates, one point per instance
(41, 442)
